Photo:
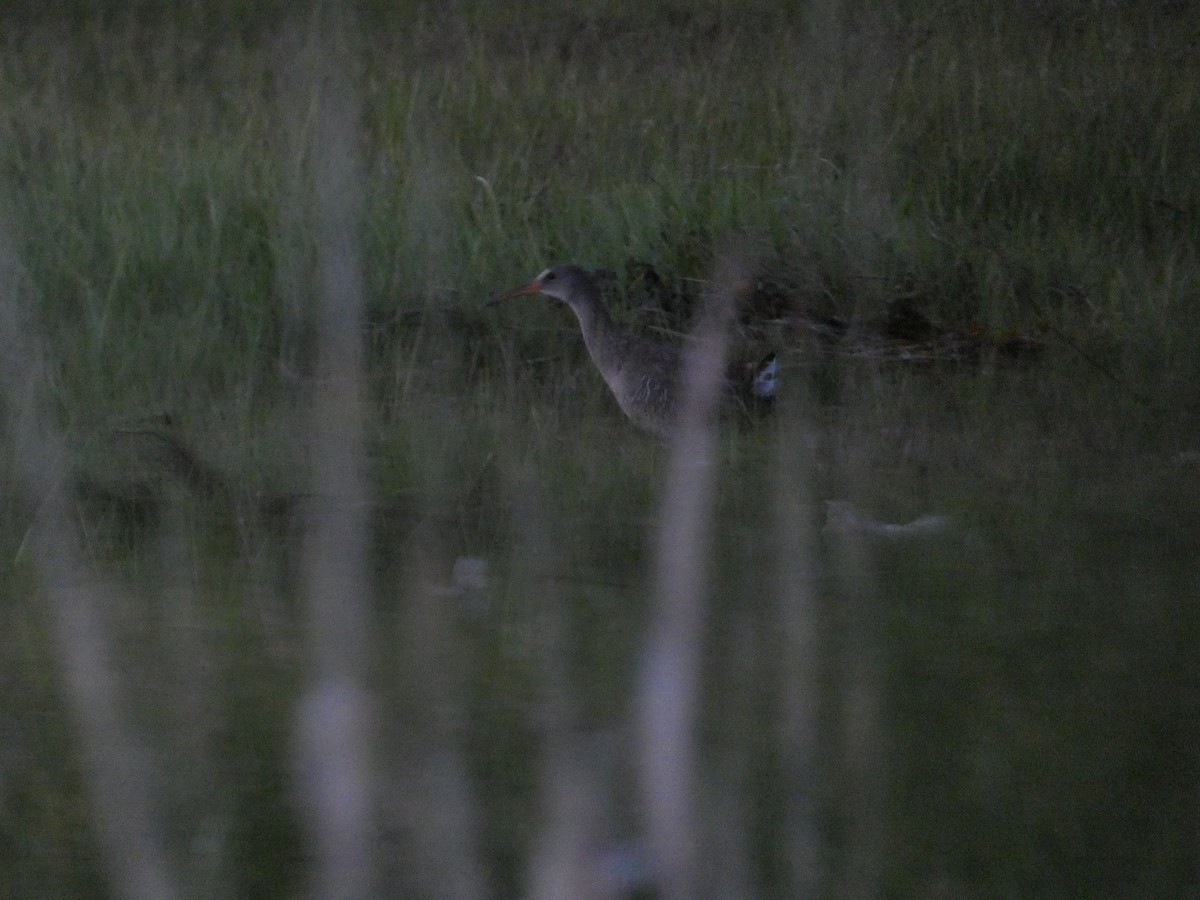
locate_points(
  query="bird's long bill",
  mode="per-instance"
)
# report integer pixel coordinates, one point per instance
(534, 287)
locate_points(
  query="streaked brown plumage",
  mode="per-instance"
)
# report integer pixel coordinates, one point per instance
(642, 375)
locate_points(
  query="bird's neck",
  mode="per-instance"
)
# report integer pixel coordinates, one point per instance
(598, 329)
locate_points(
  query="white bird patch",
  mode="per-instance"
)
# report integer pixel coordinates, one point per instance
(766, 379)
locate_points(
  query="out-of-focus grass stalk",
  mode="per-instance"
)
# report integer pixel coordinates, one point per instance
(800, 661)
(565, 860)
(333, 735)
(430, 800)
(668, 701)
(862, 740)
(115, 764)
(435, 802)
(195, 758)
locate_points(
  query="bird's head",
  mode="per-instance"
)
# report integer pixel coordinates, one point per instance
(570, 284)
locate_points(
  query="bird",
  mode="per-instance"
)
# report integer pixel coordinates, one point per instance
(643, 375)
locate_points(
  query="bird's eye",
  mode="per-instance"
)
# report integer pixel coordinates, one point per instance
(549, 276)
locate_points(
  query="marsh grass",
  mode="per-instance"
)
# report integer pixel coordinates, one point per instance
(1027, 681)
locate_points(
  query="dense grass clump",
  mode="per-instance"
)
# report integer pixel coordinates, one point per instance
(974, 231)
